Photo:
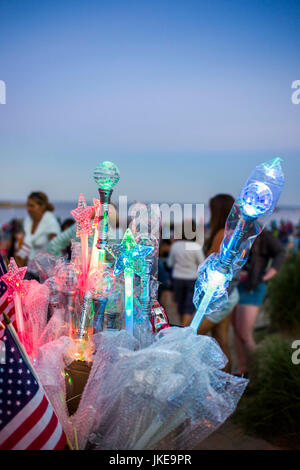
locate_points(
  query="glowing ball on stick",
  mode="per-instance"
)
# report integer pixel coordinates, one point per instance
(106, 175)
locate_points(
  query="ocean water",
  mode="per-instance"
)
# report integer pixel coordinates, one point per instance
(62, 212)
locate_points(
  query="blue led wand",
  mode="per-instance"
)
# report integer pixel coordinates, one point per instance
(245, 222)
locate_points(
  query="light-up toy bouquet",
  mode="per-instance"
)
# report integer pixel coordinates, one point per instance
(149, 385)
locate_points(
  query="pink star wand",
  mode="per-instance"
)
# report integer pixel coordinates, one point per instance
(15, 290)
(82, 214)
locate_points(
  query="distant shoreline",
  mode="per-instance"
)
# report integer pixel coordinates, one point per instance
(10, 210)
(22, 205)
(12, 205)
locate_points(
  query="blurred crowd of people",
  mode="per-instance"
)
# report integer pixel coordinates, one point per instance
(178, 272)
(178, 264)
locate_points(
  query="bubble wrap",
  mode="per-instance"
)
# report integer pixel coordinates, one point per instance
(220, 296)
(53, 357)
(55, 328)
(107, 345)
(44, 264)
(171, 394)
(35, 308)
(175, 384)
(143, 333)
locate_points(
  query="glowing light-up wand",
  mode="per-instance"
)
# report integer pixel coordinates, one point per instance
(95, 252)
(129, 259)
(106, 175)
(16, 288)
(246, 220)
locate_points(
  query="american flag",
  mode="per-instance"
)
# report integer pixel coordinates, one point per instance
(5, 306)
(27, 420)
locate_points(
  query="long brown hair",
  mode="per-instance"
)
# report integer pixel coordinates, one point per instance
(42, 199)
(220, 206)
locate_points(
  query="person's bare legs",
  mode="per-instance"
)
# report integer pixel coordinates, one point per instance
(220, 333)
(245, 320)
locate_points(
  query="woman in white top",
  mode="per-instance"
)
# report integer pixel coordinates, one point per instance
(40, 226)
(184, 259)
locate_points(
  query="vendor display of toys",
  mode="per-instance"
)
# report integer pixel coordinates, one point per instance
(149, 384)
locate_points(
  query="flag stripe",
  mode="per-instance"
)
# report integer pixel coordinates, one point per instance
(34, 432)
(61, 443)
(28, 423)
(13, 425)
(3, 301)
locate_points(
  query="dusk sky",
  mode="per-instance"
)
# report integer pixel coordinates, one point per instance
(186, 97)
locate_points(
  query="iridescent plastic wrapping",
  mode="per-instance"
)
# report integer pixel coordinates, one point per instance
(35, 307)
(174, 384)
(101, 285)
(66, 278)
(53, 358)
(44, 264)
(108, 345)
(146, 225)
(171, 394)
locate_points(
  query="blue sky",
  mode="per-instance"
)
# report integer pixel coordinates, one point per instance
(186, 97)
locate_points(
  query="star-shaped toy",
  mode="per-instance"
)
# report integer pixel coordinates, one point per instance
(129, 255)
(82, 214)
(14, 279)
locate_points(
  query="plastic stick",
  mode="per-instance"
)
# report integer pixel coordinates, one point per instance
(84, 257)
(129, 277)
(20, 318)
(200, 313)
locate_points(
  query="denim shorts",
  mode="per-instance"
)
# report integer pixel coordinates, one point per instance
(184, 291)
(254, 297)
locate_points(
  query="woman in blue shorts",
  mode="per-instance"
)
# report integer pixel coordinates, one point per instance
(252, 289)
